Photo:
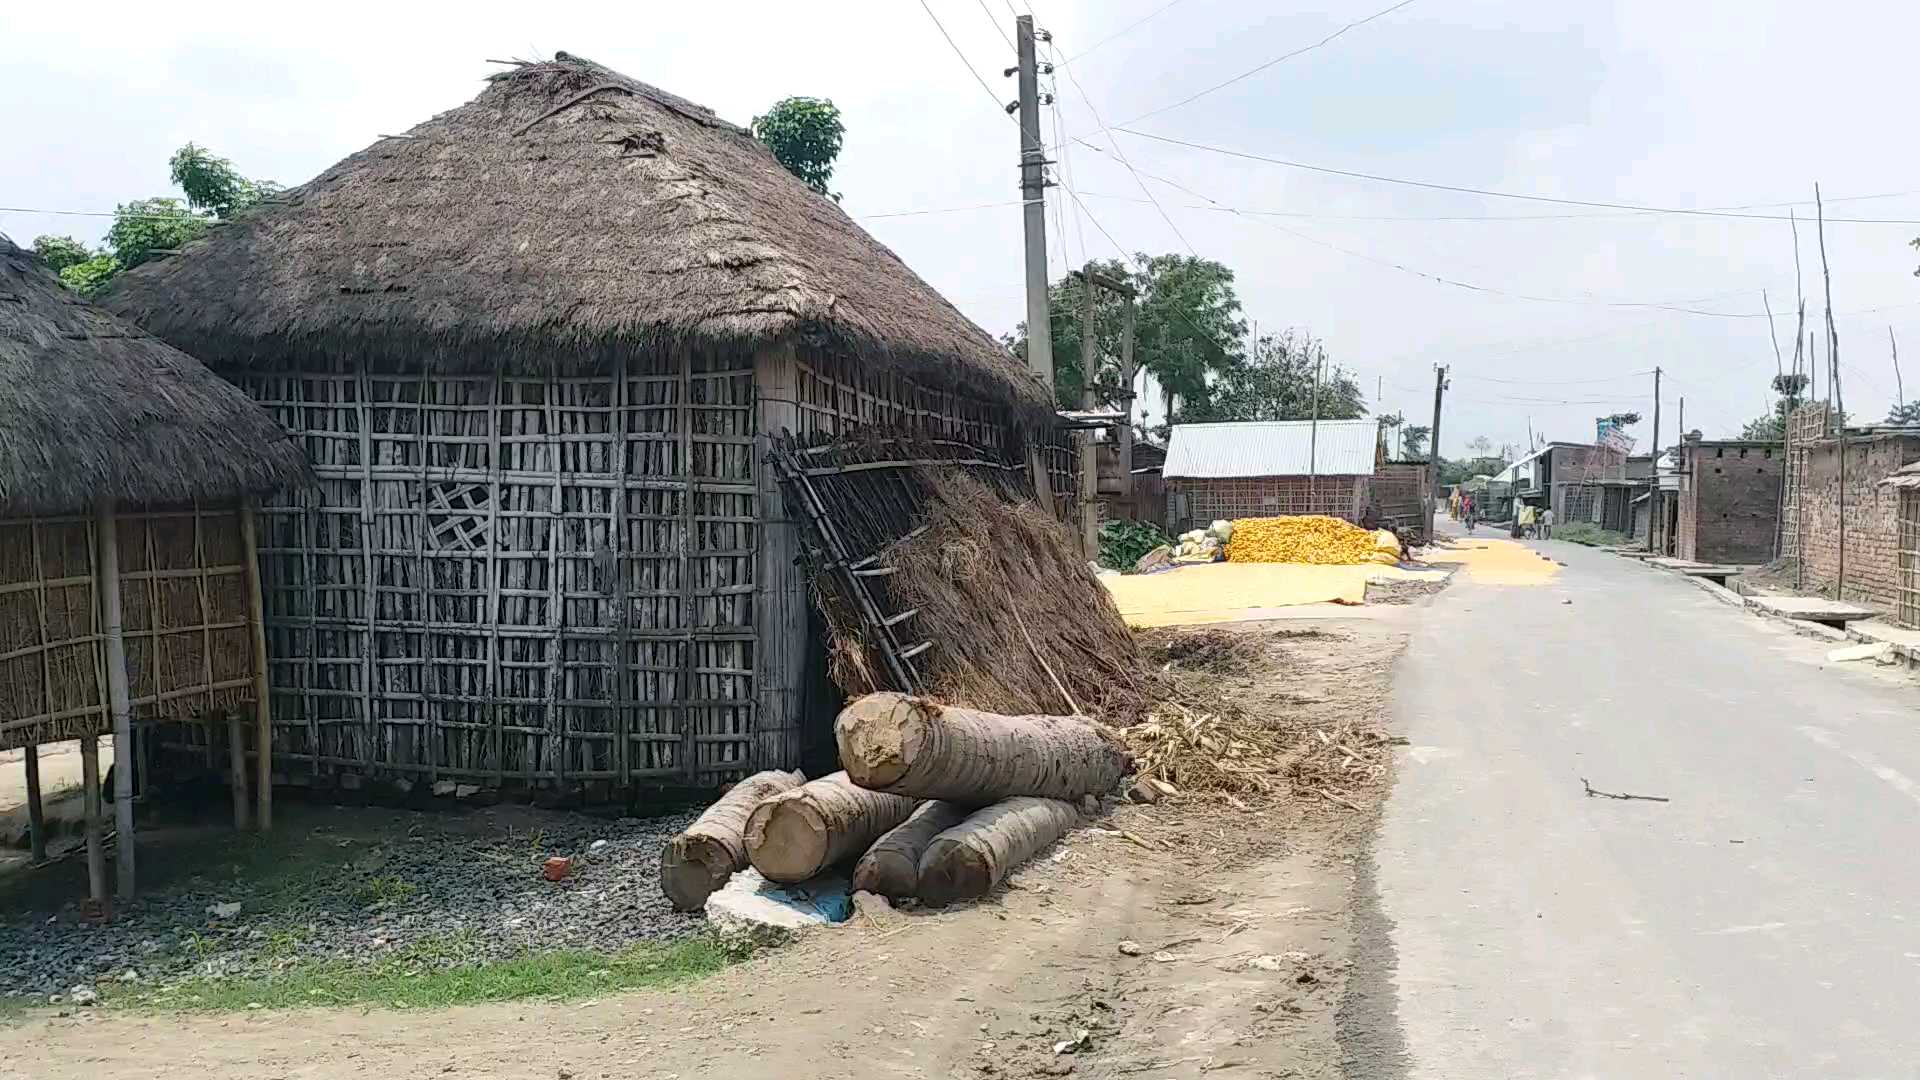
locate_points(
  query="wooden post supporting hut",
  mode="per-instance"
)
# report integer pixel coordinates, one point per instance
(126, 592)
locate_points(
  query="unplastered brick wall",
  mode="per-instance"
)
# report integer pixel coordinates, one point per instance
(1198, 502)
(1729, 506)
(1872, 515)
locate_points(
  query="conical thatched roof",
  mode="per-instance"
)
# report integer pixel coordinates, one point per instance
(566, 212)
(91, 407)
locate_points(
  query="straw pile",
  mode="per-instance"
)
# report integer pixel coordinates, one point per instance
(1206, 752)
(1308, 538)
(1019, 624)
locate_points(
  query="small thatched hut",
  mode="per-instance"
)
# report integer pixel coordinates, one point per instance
(535, 348)
(125, 537)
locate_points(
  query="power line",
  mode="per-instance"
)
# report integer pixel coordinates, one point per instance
(939, 210)
(1122, 155)
(951, 44)
(1461, 190)
(988, 12)
(1622, 215)
(1124, 254)
(1283, 58)
(1122, 32)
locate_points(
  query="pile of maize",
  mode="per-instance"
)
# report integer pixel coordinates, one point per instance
(1310, 538)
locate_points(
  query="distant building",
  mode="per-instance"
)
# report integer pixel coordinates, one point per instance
(1858, 540)
(1269, 468)
(1727, 508)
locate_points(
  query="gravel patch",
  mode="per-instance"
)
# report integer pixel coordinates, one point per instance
(434, 888)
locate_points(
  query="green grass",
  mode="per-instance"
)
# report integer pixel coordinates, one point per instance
(1586, 532)
(434, 974)
(14, 1008)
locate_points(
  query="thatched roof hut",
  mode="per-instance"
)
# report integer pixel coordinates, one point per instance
(93, 408)
(128, 582)
(567, 212)
(538, 349)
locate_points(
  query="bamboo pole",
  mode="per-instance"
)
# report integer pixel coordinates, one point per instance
(107, 572)
(96, 846)
(36, 812)
(262, 682)
(237, 769)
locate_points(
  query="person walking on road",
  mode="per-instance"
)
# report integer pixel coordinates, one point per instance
(1526, 519)
(1546, 523)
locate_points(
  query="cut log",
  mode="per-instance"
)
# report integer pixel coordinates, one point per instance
(694, 864)
(911, 746)
(972, 857)
(796, 834)
(891, 867)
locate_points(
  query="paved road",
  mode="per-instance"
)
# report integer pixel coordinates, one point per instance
(1765, 923)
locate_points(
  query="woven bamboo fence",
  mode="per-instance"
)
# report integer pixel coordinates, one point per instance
(184, 608)
(542, 581)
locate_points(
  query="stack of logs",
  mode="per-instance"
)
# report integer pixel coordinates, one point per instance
(937, 803)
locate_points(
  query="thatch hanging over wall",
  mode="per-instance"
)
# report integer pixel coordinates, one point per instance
(91, 408)
(566, 212)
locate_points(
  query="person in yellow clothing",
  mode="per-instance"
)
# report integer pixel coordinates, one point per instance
(1527, 518)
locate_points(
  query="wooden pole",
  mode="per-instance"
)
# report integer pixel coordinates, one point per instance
(107, 574)
(1089, 464)
(1833, 380)
(36, 812)
(1131, 373)
(1313, 440)
(262, 685)
(237, 769)
(90, 802)
(1899, 388)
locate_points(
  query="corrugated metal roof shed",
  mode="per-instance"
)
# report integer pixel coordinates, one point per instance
(1272, 448)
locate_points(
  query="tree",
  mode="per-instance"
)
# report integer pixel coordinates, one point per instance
(1416, 441)
(60, 252)
(1278, 382)
(804, 134)
(145, 227)
(1772, 427)
(1188, 331)
(212, 183)
(1907, 413)
(87, 277)
(1622, 419)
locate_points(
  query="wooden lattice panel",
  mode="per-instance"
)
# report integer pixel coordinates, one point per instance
(1907, 580)
(508, 579)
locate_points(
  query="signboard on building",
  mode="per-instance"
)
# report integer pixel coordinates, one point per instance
(1612, 436)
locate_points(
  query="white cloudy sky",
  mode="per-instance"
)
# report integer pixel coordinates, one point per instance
(1674, 103)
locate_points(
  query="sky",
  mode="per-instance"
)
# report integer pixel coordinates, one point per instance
(1644, 103)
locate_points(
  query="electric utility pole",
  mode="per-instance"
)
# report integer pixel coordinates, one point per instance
(1033, 207)
(1654, 506)
(1033, 210)
(1433, 449)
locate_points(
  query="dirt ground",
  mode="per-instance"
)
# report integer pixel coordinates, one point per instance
(1235, 922)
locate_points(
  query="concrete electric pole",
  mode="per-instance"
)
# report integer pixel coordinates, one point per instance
(1654, 504)
(1033, 194)
(1433, 449)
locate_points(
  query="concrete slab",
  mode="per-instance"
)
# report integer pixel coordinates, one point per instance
(1812, 609)
(751, 909)
(1905, 642)
(1674, 564)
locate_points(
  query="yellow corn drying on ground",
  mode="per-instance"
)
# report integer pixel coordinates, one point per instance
(1308, 538)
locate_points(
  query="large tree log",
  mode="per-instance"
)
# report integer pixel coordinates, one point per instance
(891, 867)
(911, 746)
(700, 860)
(796, 834)
(973, 856)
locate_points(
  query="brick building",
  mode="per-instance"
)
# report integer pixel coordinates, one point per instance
(1269, 468)
(1874, 498)
(1728, 506)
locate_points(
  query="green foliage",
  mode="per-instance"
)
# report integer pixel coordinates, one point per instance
(1908, 413)
(1414, 440)
(60, 252)
(87, 277)
(1188, 329)
(1278, 383)
(434, 974)
(1122, 543)
(1773, 426)
(1589, 534)
(804, 134)
(1622, 419)
(212, 183)
(146, 226)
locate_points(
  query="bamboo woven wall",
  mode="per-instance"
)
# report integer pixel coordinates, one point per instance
(447, 603)
(184, 612)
